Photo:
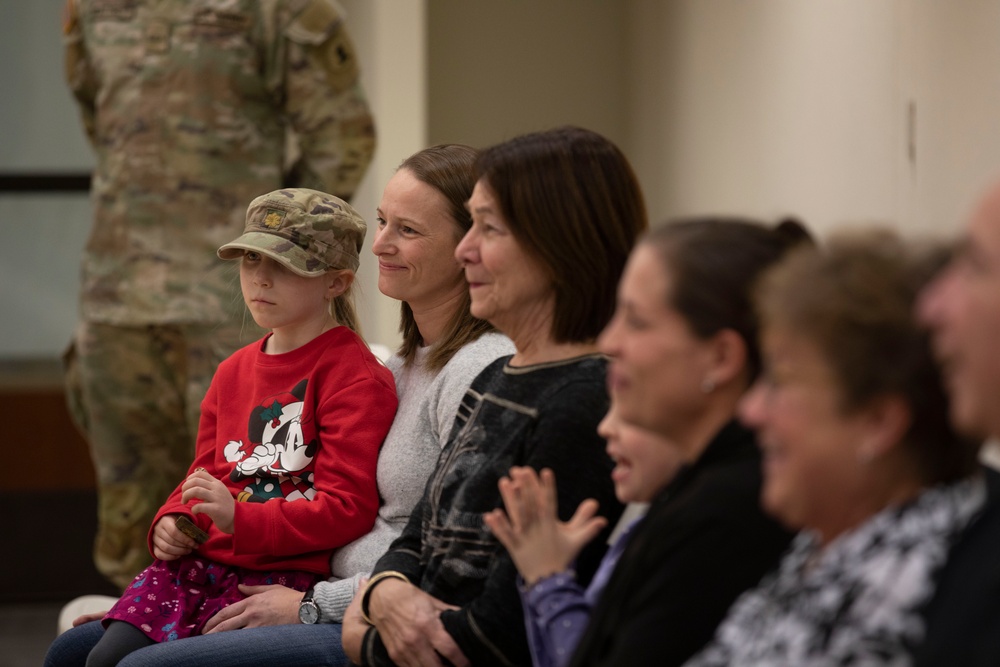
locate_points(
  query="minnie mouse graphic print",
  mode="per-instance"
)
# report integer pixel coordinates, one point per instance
(277, 457)
(296, 437)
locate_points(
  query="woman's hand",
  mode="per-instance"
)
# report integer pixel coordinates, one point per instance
(169, 543)
(409, 623)
(536, 540)
(265, 605)
(216, 499)
(88, 618)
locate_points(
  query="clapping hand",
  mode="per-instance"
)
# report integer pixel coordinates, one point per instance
(538, 542)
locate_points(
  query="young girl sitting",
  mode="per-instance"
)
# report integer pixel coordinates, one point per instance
(290, 431)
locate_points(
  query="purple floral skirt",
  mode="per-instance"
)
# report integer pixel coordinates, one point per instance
(174, 599)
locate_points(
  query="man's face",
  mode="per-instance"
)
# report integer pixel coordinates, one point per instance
(962, 309)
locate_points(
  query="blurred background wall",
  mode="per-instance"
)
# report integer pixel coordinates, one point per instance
(838, 111)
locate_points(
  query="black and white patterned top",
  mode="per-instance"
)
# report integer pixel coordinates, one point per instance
(855, 602)
(543, 416)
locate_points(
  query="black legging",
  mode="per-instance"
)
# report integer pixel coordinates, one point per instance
(119, 640)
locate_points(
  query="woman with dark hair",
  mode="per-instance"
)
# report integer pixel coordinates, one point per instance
(420, 220)
(555, 215)
(859, 455)
(683, 348)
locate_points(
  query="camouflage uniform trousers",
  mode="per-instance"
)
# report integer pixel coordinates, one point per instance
(135, 393)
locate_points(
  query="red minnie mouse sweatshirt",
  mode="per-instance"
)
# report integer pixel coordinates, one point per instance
(296, 438)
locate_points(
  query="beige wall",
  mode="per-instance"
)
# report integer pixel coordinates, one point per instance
(760, 107)
(499, 69)
(838, 111)
(953, 56)
(767, 107)
(391, 39)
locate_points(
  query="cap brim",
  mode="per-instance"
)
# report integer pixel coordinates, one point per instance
(292, 258)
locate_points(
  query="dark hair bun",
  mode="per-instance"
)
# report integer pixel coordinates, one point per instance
(793, 233)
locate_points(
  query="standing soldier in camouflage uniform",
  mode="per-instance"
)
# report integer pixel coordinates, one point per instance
(193, 108)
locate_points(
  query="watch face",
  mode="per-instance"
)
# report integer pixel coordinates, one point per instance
(308, 612)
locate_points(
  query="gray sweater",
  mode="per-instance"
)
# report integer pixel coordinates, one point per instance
(426, 413)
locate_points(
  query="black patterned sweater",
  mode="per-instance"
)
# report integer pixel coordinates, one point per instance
(543, 416)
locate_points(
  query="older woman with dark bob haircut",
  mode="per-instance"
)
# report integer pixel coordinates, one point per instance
(859, 456)
(555, 215)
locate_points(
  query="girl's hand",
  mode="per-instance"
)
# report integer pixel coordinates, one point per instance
(216, 499)
(169, 543)
(536, 540)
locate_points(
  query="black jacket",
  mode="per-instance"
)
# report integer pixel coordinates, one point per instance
(704, 541)
(963, 617)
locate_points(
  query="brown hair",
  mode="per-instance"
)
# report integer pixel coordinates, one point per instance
(855, 301)
(713, 263)
(572, 201)
(342, 309)
(448, 169)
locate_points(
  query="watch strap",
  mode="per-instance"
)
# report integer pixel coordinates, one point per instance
(308, 602)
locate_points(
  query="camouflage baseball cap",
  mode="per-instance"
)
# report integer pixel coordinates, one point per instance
(307, 231)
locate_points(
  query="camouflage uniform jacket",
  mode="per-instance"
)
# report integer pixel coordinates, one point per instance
(195, 107)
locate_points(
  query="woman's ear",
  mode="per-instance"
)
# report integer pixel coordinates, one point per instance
(728, 356)
(887, 419)
(339, 282)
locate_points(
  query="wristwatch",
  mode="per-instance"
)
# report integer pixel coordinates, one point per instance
(308, 609)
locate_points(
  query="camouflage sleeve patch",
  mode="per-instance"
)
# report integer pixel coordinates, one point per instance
(314, 23)
(340, 59)
(320, 25)
(331, 122)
